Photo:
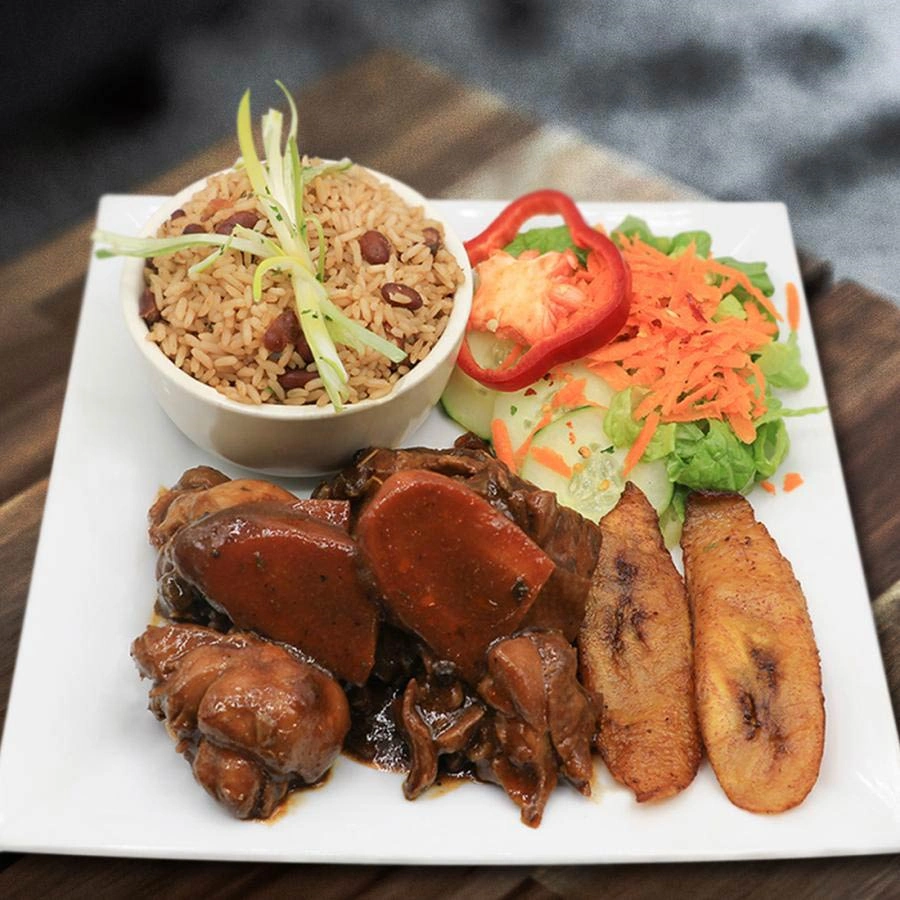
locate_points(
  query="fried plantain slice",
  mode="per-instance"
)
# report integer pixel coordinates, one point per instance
(635, 655)
(759, 685)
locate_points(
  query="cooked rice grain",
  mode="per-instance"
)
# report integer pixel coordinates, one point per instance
(212, 329)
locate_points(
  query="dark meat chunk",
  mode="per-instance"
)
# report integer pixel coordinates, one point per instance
(440, 717)
(571, 541)
(254, 720)
(434, 728)
(376, 734)
(205, 490)
(275, 570)
(199, 478)
(448, 566)
(529, 722)
(542, 721)
(189, 505)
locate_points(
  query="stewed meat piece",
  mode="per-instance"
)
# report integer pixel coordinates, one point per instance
(542, 721)
(254, 719)
(528, 722)
(273, 569)
(189, 506)
(439, 717)
(448, 566)
(571, 542)
(193, 480)
(204, 490)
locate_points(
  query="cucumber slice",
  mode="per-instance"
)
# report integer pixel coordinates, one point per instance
(580, 445)
(596, 390)
(469, 403)
(522, 411)
(489, 350)
(581, 471)
(653, 479)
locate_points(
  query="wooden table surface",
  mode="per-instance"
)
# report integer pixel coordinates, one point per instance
(447, 140)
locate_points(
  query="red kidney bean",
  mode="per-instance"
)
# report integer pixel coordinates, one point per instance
(193, 228)
(296, 378)
(147, 308)
(283, 330)
(244, 217)
(375, 248)
(432, 239)
(401, 295)
(176, 214)
(302, 348)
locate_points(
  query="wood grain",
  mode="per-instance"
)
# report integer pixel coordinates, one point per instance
(860, 357)
(20, 520)
(453, 141)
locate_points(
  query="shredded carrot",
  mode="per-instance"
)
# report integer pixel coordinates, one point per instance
(640, 445)
(687, 366)
(768, 486)
(552, 460)
(792, 480)
(502, 443)
(572, 394)
(793, 305)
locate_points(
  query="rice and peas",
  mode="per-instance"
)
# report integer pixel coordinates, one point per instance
(209, 325)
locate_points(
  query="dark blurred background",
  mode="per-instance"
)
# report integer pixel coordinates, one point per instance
(794, 101)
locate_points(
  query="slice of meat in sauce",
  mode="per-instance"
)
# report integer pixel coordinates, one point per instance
(571, 541)
(449, 567)
(203, 490)
(274, 570)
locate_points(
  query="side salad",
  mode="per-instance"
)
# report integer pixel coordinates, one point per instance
(680, 397)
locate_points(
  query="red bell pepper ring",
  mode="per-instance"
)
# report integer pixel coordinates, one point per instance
(586, 329)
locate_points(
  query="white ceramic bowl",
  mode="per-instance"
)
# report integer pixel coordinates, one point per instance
(297, 440)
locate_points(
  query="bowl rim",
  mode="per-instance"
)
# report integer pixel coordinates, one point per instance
(132, 282)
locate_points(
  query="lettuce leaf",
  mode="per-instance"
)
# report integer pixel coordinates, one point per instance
(622, 429)
(709, 456)
(780, 363)
(770, 448)
(755, 272)
(673, 246)
(557, 238)
(729, 307)
(632, 225)
(702, 241)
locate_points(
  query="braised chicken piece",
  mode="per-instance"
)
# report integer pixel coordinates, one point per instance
(193, 480)
(636, 657)
(448, 566)
(273, 569)
(528, 722)
(571, 542)
(204, 490)
(254, 720)
(542, 721)
(440, 717)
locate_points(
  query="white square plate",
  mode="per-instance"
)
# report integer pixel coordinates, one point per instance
(85, 768)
